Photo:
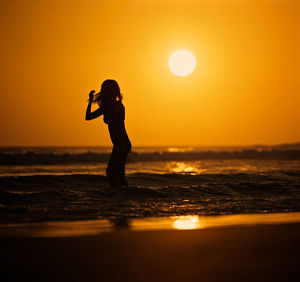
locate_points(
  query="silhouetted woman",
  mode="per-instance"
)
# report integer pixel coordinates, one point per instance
(110, 104)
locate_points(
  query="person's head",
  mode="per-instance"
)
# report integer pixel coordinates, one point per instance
(109, 93)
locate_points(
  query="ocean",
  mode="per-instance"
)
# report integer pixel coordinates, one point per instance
(69, 183)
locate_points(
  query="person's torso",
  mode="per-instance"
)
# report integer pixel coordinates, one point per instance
(115, 117)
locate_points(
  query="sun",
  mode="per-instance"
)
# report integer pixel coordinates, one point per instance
(182, 63)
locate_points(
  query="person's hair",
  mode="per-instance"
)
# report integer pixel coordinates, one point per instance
(109, 93)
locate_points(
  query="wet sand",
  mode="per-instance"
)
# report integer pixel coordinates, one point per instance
(228, 253)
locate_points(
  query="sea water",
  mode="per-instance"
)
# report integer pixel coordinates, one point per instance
(69, 183)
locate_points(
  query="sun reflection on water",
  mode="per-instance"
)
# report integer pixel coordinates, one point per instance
(96, 227)
(181, 149)
(187, 222)
(181, 167)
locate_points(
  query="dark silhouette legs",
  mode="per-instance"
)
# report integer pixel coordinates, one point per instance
(115, 170)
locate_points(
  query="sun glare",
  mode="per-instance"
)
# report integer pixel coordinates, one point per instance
(182, 63)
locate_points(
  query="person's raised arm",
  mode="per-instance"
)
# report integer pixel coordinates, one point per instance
(89, 115)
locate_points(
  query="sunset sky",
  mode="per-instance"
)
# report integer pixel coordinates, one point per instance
(244, 90)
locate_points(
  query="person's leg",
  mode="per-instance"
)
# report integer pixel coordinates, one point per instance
(111, 169)
(120, 172)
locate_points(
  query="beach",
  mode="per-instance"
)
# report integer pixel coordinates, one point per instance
(150, 141)
(189, 214)
(255, 252)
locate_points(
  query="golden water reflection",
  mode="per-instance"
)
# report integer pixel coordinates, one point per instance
(181, 167)
(180, 149)
(187, 222)
(96, 227)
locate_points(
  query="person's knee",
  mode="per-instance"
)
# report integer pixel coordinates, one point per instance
(109, 171)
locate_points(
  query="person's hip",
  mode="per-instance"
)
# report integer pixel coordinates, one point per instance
(123, 146)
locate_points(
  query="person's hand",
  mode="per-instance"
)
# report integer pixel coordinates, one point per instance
(91, 95)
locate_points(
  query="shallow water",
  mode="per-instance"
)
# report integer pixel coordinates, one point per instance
(79, 190)
(96, 227)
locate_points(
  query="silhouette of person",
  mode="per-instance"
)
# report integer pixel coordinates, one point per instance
(110, 104)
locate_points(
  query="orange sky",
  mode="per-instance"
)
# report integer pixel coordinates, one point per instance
(245, 88)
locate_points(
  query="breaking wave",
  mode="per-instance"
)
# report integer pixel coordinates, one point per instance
(36, 158)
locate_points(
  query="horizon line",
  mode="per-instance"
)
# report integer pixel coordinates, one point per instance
(170, 145)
